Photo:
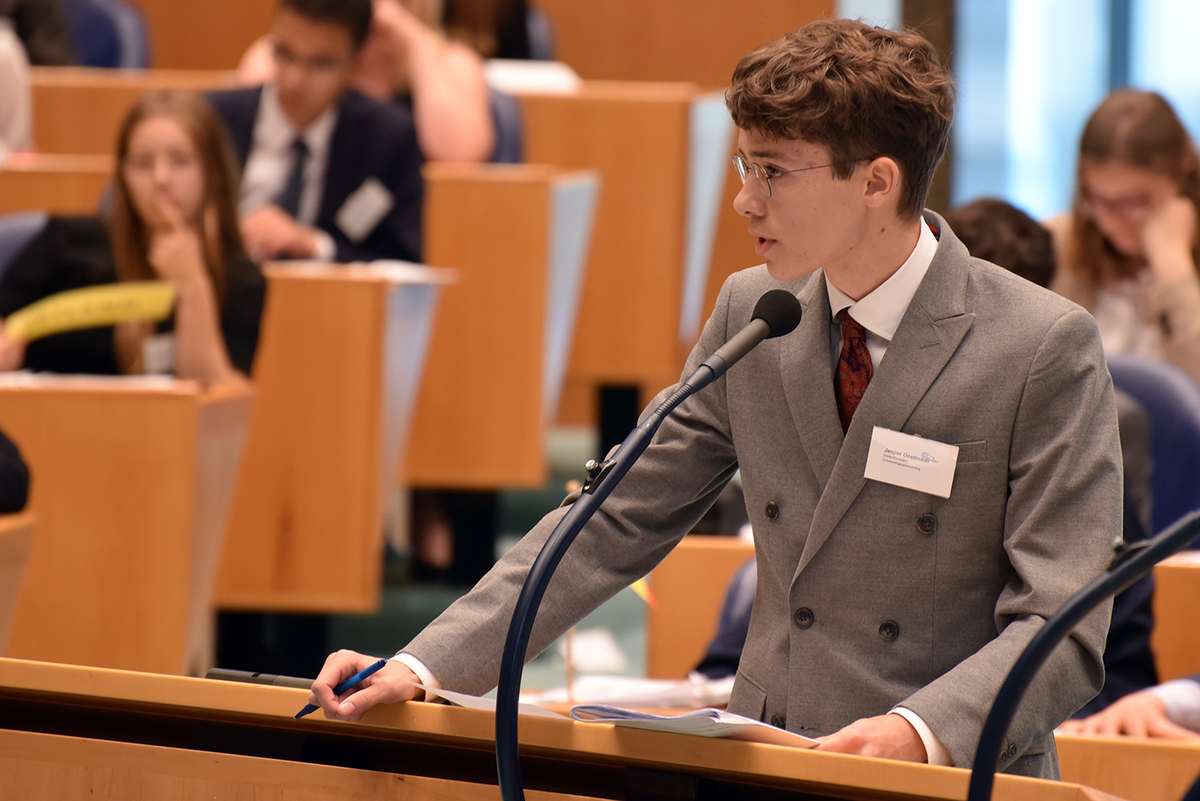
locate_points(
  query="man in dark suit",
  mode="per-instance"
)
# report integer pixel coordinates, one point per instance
(930, 460)
(327, 172)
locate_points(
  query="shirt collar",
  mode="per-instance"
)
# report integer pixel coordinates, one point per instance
(881, 311)
(275, 131)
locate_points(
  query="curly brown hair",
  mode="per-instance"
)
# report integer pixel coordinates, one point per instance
(1142, 130)
(860, 92)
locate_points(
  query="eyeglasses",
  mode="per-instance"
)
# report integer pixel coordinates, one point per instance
(764, 176)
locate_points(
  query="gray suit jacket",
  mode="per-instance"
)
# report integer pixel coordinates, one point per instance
(870, 595)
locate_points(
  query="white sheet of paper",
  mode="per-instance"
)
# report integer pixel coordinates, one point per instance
(924, 465)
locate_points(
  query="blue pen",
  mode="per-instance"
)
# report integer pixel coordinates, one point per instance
(357, 678)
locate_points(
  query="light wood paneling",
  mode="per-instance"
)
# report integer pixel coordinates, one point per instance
(689, 586)
(16, 538)
(131, 486)
(211, 35)
(1176, 599)
(1139, 770)
(671, 40)
(57, 183)
(79, 110)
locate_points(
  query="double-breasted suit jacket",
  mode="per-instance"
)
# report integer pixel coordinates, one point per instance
(870, 595)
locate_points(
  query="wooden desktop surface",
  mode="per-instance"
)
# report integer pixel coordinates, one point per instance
(428, 740)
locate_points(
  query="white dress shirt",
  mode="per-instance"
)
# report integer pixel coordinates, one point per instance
(270, 159)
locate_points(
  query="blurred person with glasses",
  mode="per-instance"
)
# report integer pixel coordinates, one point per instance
(310, 146)
(1128, 250)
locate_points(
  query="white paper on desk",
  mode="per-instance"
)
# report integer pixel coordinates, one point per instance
(702, 722)
(475, 702)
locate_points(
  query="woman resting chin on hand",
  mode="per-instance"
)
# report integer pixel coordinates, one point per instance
(173, 219)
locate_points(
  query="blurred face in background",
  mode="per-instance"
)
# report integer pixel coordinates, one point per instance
(162, 167)
(314, 62)
(1120, 198)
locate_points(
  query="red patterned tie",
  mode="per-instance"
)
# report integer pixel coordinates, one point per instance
(854, 368)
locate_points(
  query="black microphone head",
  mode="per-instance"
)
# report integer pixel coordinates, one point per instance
(780, 310)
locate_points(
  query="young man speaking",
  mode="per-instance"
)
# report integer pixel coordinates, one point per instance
(930, 460)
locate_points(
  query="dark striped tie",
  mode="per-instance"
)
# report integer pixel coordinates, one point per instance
(289, 198)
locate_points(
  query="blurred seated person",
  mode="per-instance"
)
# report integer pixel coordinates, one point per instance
(172, 219)
(16, 101)
(407, 59)
(42, 28)
(327, 172)
(999, 232)
(1170, 711)
(1128, 250)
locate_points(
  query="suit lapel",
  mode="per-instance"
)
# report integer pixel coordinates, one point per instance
(342, 171)
(808, 381)
(929, 333)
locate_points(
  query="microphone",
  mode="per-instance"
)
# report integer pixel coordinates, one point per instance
(776, 313)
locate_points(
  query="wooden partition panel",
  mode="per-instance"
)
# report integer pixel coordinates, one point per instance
(208, 35)
(671, 40)
(16, 538)
(1176, 599)
(404, 751)
(482, 418)
(1135, 769)
(53, 182)
(80, 109)
(336, 372)
(131, 486)
(689, 586)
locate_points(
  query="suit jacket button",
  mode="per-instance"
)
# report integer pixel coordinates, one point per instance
(803, 617)
(927, 523)
(1012, 750)
(777, 721)
(772, 511)
(889, 630)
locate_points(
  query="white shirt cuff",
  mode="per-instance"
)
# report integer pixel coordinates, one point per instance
(1181, 697)
(935, 752)
(327, 251)
(423, 673)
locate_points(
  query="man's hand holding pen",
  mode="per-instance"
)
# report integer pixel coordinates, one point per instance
(390, 684)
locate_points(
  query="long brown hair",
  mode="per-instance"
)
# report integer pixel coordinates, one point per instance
(1139, 129)
(219, 235)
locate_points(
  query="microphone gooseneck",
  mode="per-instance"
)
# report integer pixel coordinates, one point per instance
(776, 313)
(1123, 572)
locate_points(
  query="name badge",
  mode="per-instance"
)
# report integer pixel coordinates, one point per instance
(906, 461)
(364, 209)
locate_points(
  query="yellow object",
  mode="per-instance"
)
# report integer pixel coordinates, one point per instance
(91, 307)
(642, 588)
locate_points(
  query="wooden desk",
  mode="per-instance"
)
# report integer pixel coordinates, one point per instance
(16, 538)
(131, 485)
(517, 236)
(662, 151)
(58, 722)
(53, 182)
(689, 587)
(339, 360)
(80, 109)
(1139, 770)
(1176, 599)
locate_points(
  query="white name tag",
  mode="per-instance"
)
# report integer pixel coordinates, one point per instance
(906, 461)
(363, 210)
